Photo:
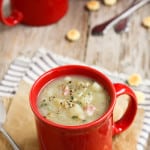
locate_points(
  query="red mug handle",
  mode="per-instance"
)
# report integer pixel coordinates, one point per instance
(128, 117)
(11, 20)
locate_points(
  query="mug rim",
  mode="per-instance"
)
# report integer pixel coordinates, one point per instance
(33, 100)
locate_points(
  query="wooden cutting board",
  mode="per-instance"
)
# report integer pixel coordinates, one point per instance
(21, 126)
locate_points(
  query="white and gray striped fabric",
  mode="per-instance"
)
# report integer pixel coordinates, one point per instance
(30, 70)
(16, 71)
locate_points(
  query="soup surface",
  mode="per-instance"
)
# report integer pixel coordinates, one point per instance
(73, 100)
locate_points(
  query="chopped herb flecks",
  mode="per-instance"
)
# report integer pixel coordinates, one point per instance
(73, 100)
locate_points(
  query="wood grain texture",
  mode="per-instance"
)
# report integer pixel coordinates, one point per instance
(125, 53)
(25, 40)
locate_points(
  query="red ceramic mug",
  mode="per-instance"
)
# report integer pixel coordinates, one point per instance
(34, 12)
(96, 135)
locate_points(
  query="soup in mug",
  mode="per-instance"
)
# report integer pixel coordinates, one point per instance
(73, 100)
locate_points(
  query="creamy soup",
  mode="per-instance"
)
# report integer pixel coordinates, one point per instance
(73, 100)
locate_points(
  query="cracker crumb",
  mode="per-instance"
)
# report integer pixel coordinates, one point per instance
(134, 79)
(73, 35)
(110, 2)
(140, 96)
(146, 22)
(93, 5)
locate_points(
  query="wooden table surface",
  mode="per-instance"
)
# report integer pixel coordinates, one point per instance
(126, 53)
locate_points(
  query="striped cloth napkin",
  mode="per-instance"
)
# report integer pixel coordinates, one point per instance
(30, 69)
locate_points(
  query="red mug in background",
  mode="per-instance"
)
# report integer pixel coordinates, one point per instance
(34, 12)
(96, 135)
